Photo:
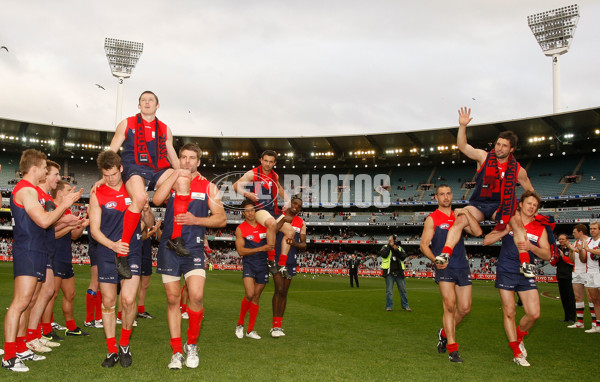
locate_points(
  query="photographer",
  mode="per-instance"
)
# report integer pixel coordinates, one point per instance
(393, 270)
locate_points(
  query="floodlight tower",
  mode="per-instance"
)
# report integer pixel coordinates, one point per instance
(122, 58)
(554, 31)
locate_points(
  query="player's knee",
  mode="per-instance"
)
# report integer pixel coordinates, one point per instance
(464, 310)
(173, 299)
(249, 296)
(127, 301)
(288, 231)
(109, 310)
(69, 296)
(534, 316)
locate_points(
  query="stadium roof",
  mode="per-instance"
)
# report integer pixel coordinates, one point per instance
(572, 132)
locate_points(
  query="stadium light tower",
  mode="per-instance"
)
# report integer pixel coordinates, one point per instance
(122, 58)
(554, 31)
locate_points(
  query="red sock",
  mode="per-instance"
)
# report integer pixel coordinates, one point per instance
(176, 345)
(277, 322)
(120, 316)
(514, 345)
(448, 250)
(111, 345)
(10, 350)
(253, 313)
(243, 311)
(125, 334)
(194, 326)
(520, 334)
(524, 257)
(282, 260)
(98, 310)
(443, 333)
(271, 255)
(130, 223)
(180, 206)
(30, 335)
(21, 344)
(142, 308)
(452, 347)
(46, 327)
(71, 325)
(184, 306)
(90, 304)
(38, 331)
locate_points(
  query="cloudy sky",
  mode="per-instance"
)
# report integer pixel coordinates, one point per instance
(292, 68)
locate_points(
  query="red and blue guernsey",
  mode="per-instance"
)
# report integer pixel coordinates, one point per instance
(50, 239)
(193, 235)
(442, 224)
(254, 237)
(26, 233)
(145, 143)
(265, 186)
(489, 181)
(114, 203)
(508, 261)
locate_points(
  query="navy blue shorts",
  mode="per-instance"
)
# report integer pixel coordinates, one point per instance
(146, 263)
(92, 253)
(514, 282)
(168, 263)
(30, 264)
(50, 261)
(488, 209)
(107, 267)
(63, 270)
(260, 273)
(150, 176)
(459, 276)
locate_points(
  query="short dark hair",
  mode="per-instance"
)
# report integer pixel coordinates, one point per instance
(191, 147)
(59, 187)
(108, 159)
(147, 92)
(581, 228)
(270, 153)
(510, 136)
(437, 189)
(247, 202)
(563, 234)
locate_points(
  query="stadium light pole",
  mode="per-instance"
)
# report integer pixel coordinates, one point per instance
(122, 58)
(554, 31)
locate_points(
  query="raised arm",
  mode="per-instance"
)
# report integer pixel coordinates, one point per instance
(464, 117)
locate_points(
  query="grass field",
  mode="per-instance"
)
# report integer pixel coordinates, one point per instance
(334, 333)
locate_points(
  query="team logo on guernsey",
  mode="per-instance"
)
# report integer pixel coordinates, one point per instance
(198, 195)
(250, 237)
(111, 205)
(297, 229)
(445, 226)
(139, 236)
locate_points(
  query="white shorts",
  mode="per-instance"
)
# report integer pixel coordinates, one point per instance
(593, 280)
(579, 278)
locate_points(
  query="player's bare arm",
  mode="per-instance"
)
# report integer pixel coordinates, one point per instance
(28, 198)
(119, 136)
(171, 154)
(163, 192)
(464, 117)
(147, 214)
(242, 183)
(301, 245)
(217, 218)
(542, 250)
(240, 243)
(95, 215)
(524, 180)
(495, 236)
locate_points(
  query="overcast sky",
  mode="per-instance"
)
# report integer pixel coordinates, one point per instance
(292, 68)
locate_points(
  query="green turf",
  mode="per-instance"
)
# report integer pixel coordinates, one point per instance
(334, 333)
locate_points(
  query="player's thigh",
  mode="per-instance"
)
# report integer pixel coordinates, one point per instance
(195, 285)
(448, 292)
(136, 188)
(507, 297)
(464, 297)
(167, 173)
(264, 218)
(475, 212)
(531, 302)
